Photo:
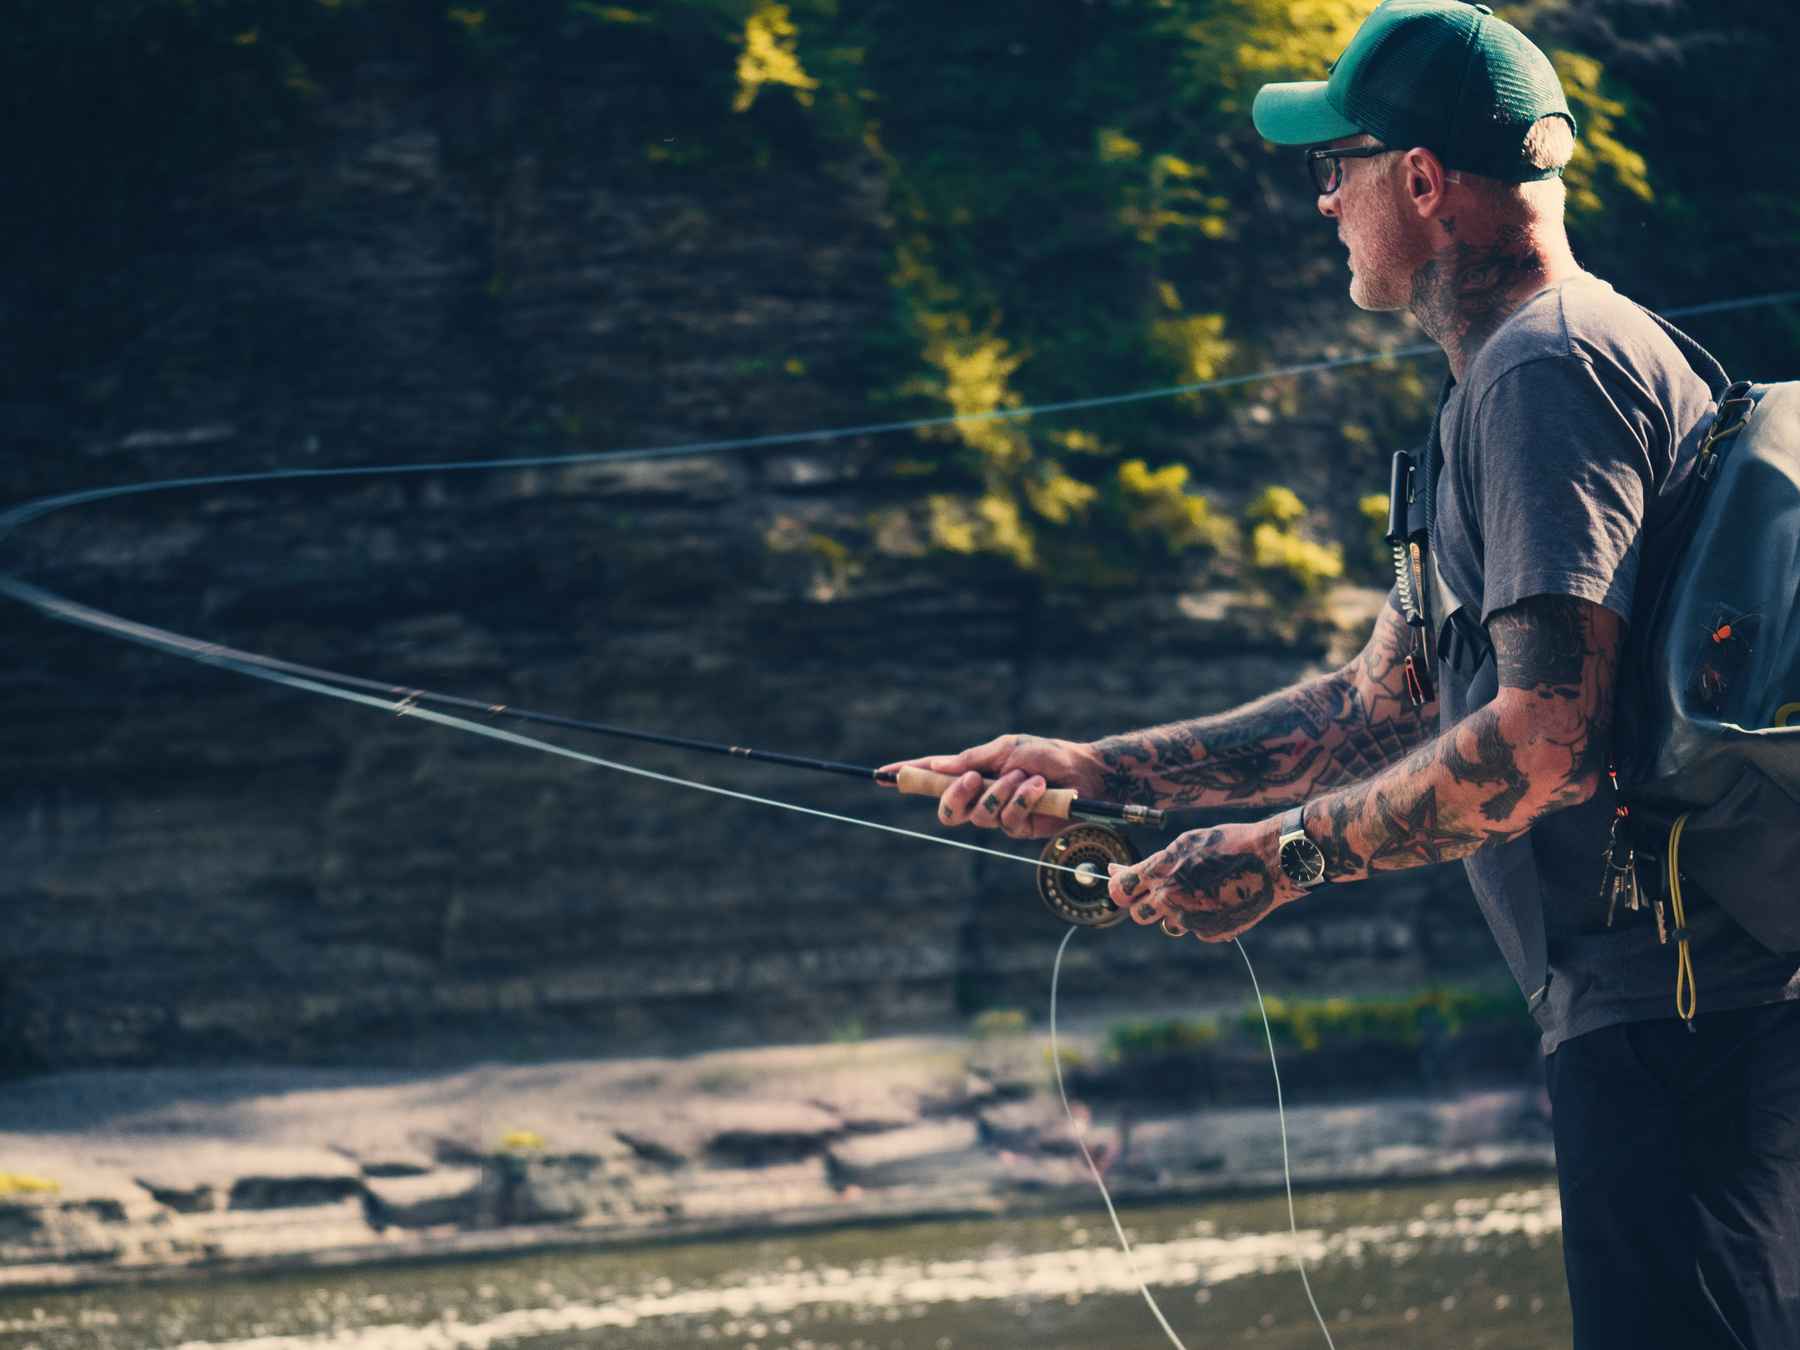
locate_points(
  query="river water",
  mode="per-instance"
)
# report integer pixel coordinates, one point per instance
(1463, 1266)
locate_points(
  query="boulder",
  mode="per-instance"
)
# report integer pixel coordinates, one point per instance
(1034, 1125)
(38, 1228)
(450, 1195)
(930, 1151)
(744, 1193)
(294, 1178)
(758, 1133)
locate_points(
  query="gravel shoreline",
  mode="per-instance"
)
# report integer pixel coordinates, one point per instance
(145, 1175)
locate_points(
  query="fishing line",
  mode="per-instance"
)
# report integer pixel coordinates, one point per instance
(213, 655)
(269, 669)
(1287, 1176)
(32, 510)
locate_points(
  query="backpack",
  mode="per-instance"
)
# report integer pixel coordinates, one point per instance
(1706, 738)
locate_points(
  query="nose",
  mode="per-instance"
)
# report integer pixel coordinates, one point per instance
(1328, 204)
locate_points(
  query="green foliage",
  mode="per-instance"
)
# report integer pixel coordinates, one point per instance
(768, 58)
(1374, 562)
(1602, 160)
(1074, 198)
(999, 1023)
(1318, 1023)
(1277, 506)
(1158, 505)
(1153, 1038)
(1284, 557)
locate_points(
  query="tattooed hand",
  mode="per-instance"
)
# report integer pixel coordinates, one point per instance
(1213, 883)
(1022, 768)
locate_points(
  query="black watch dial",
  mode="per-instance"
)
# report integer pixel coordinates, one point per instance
(1302, 861)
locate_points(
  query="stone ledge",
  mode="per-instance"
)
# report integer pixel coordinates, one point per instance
(274, 1170)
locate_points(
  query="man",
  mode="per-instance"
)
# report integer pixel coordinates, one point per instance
(1570, 421)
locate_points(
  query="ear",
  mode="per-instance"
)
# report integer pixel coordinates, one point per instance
(1424, 182)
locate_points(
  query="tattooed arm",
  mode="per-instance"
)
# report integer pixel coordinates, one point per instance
(1538, 747)
(1282, 749)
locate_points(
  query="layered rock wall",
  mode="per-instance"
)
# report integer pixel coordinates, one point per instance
(197, 867)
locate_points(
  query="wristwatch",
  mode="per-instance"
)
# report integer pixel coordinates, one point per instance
(1300, 857)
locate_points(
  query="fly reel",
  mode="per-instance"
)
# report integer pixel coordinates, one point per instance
(1080, 897)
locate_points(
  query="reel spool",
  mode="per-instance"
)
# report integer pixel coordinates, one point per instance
(1082, 899)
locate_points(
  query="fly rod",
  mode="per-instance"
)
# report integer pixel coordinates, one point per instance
(1058, 803)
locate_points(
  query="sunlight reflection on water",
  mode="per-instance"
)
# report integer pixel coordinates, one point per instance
(1476, 1264)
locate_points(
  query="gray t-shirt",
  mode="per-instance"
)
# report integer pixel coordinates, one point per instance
(1573, 427)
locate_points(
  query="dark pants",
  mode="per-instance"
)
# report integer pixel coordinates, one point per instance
(1679, 1159)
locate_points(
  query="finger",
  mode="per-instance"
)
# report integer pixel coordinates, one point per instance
(1015, 816)
(1123, 884)
(985, 758)
(1134, 891)
(995, 799)
(1148, 910)
(959, 799)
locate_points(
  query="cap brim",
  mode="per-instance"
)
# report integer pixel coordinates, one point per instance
(1297, 114)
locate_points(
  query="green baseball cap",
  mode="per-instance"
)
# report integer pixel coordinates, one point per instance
(1438, 73)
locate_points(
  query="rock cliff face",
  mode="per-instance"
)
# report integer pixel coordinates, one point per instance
(193, 866)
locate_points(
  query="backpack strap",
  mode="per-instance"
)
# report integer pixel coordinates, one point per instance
(1457, 637)
(1704, 363)
(1463, 641)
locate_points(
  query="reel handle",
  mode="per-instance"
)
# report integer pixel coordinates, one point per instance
(915, 782)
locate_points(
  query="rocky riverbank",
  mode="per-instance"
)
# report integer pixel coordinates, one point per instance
(122, 1175)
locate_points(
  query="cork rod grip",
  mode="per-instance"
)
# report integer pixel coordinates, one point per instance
(914, 782)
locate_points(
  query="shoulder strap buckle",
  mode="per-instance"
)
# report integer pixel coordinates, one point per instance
(1735, 407)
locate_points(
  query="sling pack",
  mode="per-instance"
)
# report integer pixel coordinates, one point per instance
(1707, 705)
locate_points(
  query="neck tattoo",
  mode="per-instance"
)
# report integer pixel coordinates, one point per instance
(1464, 291)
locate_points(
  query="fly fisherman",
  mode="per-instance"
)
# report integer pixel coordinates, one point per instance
(1436, 150)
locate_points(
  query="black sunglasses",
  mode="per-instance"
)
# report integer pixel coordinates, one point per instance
(1325, 164)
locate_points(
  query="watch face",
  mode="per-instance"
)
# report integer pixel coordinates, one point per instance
(1302, 861)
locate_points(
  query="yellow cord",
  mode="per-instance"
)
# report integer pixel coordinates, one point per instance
(1686, 998)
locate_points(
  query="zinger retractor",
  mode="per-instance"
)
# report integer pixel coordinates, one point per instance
(1082, 899)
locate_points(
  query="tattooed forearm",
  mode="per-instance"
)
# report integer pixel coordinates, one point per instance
(1341, 857)
(1415, 833)
(1492, 762)
(1282, 749)
(1538, 747)
(1276, 749)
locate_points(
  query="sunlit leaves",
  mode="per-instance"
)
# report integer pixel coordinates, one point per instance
(1236, 48)
(1599, 153)
(1197, 342)
(1158, 503)
(1281, 550)
(768, 57)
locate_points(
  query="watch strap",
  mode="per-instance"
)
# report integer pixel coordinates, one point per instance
(1290, 832)
(1292, 822)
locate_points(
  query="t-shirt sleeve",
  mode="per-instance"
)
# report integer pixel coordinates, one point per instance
(1560, 479)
